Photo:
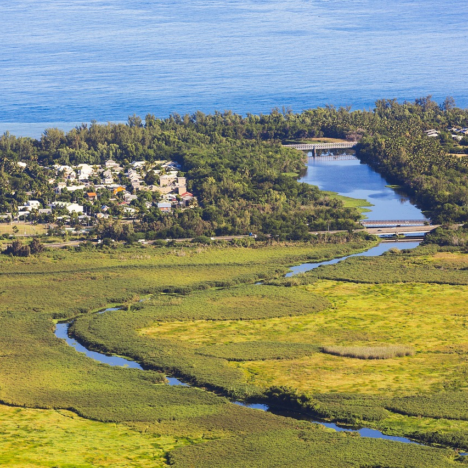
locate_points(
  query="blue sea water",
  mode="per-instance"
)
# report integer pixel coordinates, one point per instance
(65, 62)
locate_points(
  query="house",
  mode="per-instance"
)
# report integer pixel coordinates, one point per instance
(71, 207)
(74, 188)
(111, 164)
(166, 180)
(92, 196)
(129, 210)
(85, 171)
(128, 197)
(23, 214)
(165, 207)
(157, 188)
(45, 211)
(33, 205)
(118, 189)
(187, 197)
(138, 164)
(60, 187)
(432, 133)
(107, 181)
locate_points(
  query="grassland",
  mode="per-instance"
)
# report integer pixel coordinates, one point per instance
(361, 315)
(23, 229)
(192, 289)
(31, 437)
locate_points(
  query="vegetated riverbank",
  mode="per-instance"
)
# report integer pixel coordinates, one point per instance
(263, 351)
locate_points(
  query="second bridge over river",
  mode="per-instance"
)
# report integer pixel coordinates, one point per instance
(313, 147)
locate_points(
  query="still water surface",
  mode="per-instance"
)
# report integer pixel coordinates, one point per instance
(68, 62)
(351, 178)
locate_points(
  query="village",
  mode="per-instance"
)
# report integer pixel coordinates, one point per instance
(83, 194)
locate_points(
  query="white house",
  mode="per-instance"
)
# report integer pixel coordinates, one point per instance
(85, 171)
(33, 204)
(71, 207)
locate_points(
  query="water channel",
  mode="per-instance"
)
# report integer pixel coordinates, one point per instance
(341, 172)
(61, 331)
(347, 177)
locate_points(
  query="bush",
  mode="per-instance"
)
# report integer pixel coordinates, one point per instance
(17, 249)
(201, 240)
(369, 352)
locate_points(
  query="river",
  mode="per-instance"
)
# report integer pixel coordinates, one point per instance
(61, 331)
(351, 178)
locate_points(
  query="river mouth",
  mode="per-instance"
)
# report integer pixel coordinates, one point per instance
(62, 329)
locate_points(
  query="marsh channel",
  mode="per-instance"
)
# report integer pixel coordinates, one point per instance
(346, 176)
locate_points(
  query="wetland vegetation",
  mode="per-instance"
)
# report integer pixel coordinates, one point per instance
(222, 332)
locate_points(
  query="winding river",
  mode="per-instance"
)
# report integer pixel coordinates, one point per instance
(61, 331)
(347, 177)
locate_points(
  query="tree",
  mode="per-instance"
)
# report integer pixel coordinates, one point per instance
(17, 249)
(448, 104)
(36, 246)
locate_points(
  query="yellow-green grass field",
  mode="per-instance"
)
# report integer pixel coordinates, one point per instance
(432, 319)
(190, 426)
(60, 438)
(25, 229)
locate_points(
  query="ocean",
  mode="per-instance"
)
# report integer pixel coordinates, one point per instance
(67, 62)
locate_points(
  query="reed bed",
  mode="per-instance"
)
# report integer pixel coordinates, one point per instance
(370, 352)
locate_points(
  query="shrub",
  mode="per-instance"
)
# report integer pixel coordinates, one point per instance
(201, 240)
(258, 350)
(17, 249)
(369, 352)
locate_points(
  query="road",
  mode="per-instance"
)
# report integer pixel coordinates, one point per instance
(375, 231)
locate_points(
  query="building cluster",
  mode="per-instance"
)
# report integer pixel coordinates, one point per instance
(458, 133)
(122, 184)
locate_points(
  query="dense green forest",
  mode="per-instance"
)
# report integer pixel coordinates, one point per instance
(245, 181)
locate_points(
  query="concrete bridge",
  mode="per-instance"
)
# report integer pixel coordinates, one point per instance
(313, 147)
(394, 222)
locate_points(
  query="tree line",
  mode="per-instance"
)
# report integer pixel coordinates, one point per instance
(244, 179)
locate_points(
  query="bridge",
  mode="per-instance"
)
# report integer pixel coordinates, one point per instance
(395, 222)
(335, 157)
(313, 147)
